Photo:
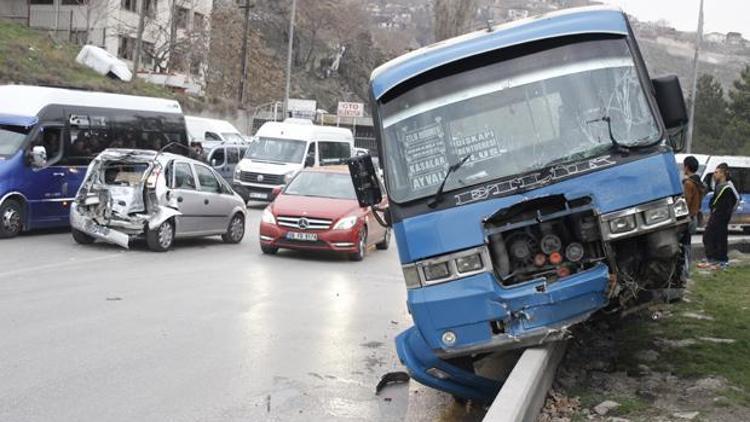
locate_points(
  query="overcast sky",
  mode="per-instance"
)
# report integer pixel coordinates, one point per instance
(719, 15)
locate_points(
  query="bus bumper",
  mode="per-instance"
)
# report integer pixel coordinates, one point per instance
(481, 316)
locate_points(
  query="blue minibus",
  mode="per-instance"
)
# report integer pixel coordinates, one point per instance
(531, 183)
(48, 136)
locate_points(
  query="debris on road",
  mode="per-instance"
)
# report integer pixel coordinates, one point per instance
(399, 377)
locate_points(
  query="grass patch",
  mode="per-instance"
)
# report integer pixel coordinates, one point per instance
(33, 57)
(724, 297)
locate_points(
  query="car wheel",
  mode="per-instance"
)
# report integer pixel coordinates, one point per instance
(386, 241)
(361, 246)
(81, 237)
(161, 239)
(268, 250)
(236, 230)
(11, 218)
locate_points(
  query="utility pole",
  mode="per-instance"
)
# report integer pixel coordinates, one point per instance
(243, 78)
(139, 39)
(289, 58)
(694, 82)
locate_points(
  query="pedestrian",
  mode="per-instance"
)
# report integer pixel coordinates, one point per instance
(694, 191)
(723, 204)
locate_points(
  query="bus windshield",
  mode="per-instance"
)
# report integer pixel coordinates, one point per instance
(273, 149)
(11, 138)
(515, 116)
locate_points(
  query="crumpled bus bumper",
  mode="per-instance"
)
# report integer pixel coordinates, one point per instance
(530, 314)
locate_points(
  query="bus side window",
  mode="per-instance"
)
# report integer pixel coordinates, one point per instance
(88, 136)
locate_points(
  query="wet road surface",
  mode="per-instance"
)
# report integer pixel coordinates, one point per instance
(205, 332)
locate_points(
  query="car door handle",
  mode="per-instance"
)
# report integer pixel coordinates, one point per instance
(59, 174)
(179, 199)
(205, 201)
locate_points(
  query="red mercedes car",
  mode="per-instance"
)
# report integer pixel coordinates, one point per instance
(318, 210)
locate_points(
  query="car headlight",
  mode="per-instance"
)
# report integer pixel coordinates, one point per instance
(346, 223)
(656, 215)
(237, 172)
(288, 177)
(622, 224)
(681, 208)
(267, 217)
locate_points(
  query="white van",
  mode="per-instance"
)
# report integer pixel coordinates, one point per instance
(739, 171)
(281, 149)
(205, 130)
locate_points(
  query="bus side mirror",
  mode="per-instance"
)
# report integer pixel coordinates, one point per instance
(310, 160)
(672, 107)
(38, 157)
(365, 181)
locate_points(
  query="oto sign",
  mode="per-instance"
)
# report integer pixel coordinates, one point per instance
(346, 109)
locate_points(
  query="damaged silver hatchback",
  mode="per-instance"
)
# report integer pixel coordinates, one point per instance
(131, 193)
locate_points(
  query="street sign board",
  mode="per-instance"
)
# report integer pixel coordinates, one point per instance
(304, 109)
(346, 109)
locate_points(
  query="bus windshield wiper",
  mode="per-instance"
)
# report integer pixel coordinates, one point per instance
(439, 194)
(616, 145)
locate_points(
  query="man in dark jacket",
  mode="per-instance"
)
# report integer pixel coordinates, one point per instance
(723, 204)
(694, 191)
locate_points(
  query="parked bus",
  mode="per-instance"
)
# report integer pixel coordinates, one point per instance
(49, 135)
(531, 182)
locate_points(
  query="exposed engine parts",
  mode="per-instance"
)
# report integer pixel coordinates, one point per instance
(551, 238)
(548, 238)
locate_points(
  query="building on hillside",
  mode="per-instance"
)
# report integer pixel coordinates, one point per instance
(714, 37)
(735, 38)
(175, 37)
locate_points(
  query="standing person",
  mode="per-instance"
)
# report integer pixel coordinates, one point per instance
(716, 236)
(694, 191)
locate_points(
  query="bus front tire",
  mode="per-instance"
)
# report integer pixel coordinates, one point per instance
(11, 218)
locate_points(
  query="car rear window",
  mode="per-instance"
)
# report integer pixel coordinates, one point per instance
(124, 174)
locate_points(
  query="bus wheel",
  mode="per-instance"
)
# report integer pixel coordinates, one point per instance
(11, 218)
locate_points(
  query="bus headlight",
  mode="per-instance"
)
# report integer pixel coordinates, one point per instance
(437, 271)
(656, 215)
(622, 224)
(681, 208)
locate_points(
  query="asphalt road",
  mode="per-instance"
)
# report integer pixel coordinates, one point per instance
(204, 332)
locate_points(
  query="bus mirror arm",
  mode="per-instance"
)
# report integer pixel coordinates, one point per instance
(385, 220)
(38, 157)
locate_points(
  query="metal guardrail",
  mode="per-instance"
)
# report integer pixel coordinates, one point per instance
(522, 397)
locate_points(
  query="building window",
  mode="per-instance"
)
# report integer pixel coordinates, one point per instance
(126, 49)
(199, 22)
(147, 55)
(182, 17)
(74, 2)
(152, 6)
(131, 5)
(41, 2)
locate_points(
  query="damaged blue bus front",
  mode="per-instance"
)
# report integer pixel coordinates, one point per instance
(531, 181)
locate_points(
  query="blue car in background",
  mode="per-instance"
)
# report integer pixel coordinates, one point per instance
(531, 183)
(48, 136)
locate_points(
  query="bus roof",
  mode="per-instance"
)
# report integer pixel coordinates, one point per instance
(584, 20)
(24, 100)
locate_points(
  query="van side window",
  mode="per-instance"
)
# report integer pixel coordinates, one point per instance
(210, 136)
(88, 136)
(183, 176)
(217, 156)
(740, 178)
(233, 155)
(330, 151)
(51, 139)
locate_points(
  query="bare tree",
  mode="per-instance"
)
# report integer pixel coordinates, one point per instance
(452, 17)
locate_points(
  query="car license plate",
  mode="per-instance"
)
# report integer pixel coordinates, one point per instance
(307, 237)
(259, 195)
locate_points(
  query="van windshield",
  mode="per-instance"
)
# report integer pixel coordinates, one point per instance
(274, 149)
(516, 116)
(11, 139)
